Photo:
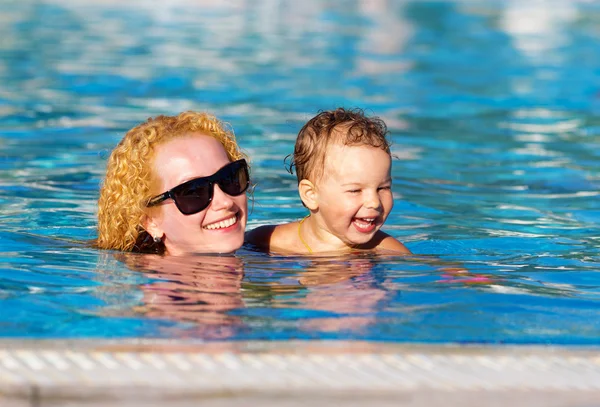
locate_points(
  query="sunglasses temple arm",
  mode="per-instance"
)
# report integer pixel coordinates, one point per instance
(158, 199)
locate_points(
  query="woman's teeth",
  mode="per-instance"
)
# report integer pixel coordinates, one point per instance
(222, 224)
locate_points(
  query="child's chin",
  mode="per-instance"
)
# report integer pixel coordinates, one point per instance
(362, 241)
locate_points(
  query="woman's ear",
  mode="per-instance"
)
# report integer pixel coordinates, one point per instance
(309, 194)
(149, 223)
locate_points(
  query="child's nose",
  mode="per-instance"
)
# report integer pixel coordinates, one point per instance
(373, 201)
(220, 199)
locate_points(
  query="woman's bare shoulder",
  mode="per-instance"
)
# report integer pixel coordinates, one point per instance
(273, 237)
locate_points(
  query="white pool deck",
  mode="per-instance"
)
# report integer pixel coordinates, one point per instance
(171, 373)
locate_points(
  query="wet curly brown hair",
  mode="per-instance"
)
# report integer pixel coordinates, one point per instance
(349, 127)
(129, 177)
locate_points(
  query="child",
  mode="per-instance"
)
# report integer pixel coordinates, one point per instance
(343, 164)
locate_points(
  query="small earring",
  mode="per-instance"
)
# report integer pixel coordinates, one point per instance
(157, 239)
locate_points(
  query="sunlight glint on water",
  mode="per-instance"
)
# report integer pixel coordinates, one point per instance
(493, 109)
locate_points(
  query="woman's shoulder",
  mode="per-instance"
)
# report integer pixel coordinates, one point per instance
(268, 237)
(260, 234)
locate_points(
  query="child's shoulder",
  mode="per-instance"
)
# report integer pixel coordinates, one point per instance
(385, 242)
(272, 237)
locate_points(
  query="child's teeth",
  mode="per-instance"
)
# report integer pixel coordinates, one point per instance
(364, 222)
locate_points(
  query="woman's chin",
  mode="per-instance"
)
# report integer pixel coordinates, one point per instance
(223, 246)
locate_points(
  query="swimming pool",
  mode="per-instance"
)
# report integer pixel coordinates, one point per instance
(493, 109)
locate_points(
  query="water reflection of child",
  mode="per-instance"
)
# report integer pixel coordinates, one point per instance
(341, 293)
(343, 165)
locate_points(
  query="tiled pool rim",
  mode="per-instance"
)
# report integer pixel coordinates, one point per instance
(175, 373)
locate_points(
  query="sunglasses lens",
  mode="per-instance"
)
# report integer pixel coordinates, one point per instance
(193, 197)
(235, 181)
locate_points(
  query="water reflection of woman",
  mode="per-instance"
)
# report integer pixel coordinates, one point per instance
(201, 290)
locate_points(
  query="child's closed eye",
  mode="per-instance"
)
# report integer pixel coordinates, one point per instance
(353, 191)
(385, 188)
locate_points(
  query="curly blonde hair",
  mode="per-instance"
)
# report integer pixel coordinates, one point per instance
(127, 186)
(346, 126)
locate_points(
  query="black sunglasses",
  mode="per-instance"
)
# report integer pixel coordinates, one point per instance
(195, 195)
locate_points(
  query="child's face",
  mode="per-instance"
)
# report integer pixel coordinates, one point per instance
(354, 193)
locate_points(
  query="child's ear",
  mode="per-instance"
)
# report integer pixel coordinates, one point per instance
(149, 223)
(308, 194)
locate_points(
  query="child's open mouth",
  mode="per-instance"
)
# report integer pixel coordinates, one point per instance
(364, 225)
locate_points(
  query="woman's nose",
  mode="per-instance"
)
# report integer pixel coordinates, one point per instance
(220, 199)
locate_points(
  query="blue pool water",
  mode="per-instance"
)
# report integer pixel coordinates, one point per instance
(494, 112)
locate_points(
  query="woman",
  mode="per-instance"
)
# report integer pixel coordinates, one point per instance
(175, 185)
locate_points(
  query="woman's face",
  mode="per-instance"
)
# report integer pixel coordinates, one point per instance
(217, 229)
